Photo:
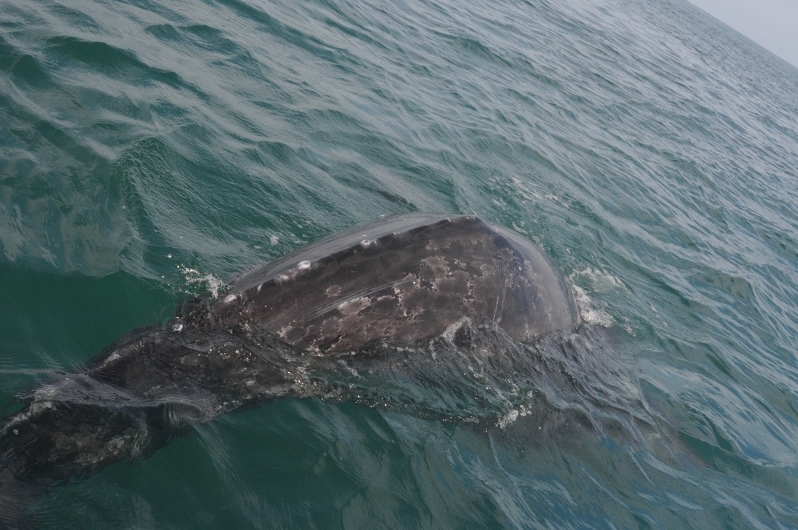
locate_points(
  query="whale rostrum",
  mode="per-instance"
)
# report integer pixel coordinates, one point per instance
(408, 278)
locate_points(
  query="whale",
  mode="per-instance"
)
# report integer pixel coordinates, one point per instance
(277, 331)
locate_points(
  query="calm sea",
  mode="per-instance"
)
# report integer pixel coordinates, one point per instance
(150, 150)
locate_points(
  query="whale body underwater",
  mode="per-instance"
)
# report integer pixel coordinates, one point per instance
(404, 280)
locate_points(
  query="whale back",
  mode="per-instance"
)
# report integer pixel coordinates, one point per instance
(408, 277)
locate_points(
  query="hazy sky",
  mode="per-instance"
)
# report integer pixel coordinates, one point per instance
(773, 24)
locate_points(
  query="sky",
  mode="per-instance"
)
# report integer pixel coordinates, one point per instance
(773, 24)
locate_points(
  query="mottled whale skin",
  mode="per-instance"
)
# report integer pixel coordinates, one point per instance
(409, 277)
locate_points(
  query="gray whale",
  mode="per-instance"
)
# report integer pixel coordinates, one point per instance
(409, 278)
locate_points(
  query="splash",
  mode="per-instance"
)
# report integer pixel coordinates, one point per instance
(196, 282)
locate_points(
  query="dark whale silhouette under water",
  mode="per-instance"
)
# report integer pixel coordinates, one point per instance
(308, 324)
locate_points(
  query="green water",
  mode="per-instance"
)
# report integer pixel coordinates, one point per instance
(149, 150)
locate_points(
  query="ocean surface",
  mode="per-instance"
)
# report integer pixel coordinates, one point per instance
(151, 150)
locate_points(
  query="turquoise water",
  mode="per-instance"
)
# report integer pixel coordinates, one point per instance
(150, 150)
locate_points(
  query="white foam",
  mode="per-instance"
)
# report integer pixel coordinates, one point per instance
(599, 282)
(507, 419)
(588, 312)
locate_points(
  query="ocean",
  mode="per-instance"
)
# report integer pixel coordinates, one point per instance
(151, 150)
